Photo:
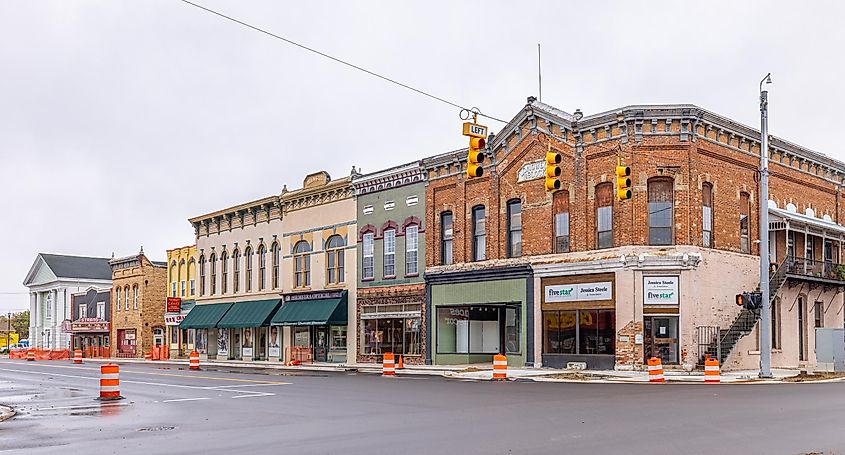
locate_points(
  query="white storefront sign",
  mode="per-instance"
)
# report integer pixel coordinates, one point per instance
(579, 292)
(660, 290)
(173, 319)
(531, 171)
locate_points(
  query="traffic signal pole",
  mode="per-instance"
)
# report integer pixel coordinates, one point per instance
(766, 319)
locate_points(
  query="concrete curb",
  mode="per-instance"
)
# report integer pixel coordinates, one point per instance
(6, 412)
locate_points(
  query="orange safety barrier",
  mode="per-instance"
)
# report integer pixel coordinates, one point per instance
(110, 382)
(195, 360)
(30, 355)
(77, 356)
(93, 352)
(712, 375)
(148, 355)
(388, 367)
(401, 364)
(655, 370)
(500, 367)
(40, 354)
(301, 354)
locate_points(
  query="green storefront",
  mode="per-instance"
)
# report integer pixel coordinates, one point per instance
(317, 324)
(477, 314)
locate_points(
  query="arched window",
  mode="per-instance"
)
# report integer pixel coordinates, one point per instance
(236, 261)
(135, 297)
(302, 264)
(479, 233)
(248, 260)
(514, 228)
(744, 212)
(117, 298)
(274, 251)
(412, 246)
(446, 229)
(191, 277)
(604, 215)
(560, 208)
(224, 268)
(182, 280)
(173, 278)
(126, 300)
(262, 267)
(707, 215)
(334, 259)
(368, 256)
(661, 210)
(212, 262)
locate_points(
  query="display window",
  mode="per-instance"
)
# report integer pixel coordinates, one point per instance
(486, 329)
(582, 332)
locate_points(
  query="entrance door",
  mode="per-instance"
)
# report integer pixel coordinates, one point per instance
(321, 343)
(262, 343)
(802, 320)
(661, 338)
(236, 345)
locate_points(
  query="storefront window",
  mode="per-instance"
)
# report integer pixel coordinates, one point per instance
(301, 336)
(397, 335)
(477, 329)
(338, 337)
(579, 332)
(174, 335)
(201, 341)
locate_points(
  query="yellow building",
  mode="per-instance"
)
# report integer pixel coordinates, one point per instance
(181, 292)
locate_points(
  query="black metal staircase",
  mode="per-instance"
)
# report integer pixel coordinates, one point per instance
(721, 342)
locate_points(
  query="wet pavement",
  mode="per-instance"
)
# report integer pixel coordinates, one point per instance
(169, 410)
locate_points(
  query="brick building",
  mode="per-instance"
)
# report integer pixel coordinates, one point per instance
(576, 275)
(139, 290)
(391, 248)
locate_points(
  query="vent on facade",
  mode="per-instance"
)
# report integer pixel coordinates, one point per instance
(411, 200)
(368, 209)
(389, 205)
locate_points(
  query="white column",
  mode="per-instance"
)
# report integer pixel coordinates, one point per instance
(33, 309)
(35, 336)
(54, 326)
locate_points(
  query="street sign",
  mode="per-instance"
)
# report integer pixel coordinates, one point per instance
(474, 130)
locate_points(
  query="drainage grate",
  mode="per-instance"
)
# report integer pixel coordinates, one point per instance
(156, 429)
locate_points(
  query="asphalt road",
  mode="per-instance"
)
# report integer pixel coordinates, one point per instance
(181, 411)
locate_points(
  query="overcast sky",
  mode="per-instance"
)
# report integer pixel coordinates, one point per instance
(120, 120)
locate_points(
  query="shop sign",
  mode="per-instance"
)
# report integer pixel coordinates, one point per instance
(531, 171)
(579, 292)
(320, 295)
(89, 325)
(174, 304)
(173, 319)
(130, 335)
(660, 290)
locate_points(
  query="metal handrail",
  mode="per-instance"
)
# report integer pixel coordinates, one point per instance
(812, 267)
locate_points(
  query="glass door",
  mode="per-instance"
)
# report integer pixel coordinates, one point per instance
(661, 338)
(321, 338)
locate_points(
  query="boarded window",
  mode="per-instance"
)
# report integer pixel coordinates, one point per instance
(744, 211)
(604, 215)
(660, 211)
(560, 208)
(707, 215)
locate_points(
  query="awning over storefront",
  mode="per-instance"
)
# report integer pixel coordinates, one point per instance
(205, 316)
(255, 313)
(327, 311)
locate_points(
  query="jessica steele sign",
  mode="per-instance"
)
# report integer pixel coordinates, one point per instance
(660, 290)
(579, 292)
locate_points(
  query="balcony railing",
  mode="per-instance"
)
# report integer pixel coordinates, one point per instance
(814, 268)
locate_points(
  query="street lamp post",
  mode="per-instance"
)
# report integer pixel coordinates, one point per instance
(766, 317)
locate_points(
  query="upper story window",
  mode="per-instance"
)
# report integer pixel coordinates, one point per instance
(126, 300)
(274, 252)
(479, 233)
(604, 215)
(212, 263)
(224, 266)
(367, 256)
(182, 278)
(302, 264)
(660, 211)
(707, 215)
(191, 276)
(83, 311)
(173, 290)
(262, 268)
(390, 253)
(236, 262)
(173, 278)
(117, 298)
(514, 228)
(412, 242)
(101, 310)
(744, 212)
(560, 208)
(248, 259)
(446, 238)
(202, 275)
(135, 297)
(334, 260)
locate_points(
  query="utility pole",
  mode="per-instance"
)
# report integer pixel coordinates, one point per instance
(766, 317)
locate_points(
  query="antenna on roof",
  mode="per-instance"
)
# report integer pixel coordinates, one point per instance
(539, 74)
(142, 249)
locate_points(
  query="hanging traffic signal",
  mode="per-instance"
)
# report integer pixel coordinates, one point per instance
(475, 156)
(623, 183)
(552, 170)
(750, 300)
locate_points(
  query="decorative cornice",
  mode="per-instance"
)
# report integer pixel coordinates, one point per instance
(395, 177)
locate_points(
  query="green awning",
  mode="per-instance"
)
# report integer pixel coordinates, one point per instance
(255, 313)
(205, 316)
(313, 312)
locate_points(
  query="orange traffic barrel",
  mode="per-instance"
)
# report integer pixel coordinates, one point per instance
(30, 355)
(655, 370)
(388, 366)
(148, 355)
(77, 356)
(712, 375)
(110, 382)
(195, 360)
(500, 367)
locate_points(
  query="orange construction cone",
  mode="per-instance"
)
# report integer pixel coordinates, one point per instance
(401, 364)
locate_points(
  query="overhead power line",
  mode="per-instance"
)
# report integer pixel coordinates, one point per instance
(344, 62)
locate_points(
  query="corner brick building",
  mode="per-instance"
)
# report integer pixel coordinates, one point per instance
(578, 277)
(139, 291)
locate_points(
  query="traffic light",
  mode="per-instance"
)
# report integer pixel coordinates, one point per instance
(475, 157)
(750, 300)
(623, 183)
(552, 170)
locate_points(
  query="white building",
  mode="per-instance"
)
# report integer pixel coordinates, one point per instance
(51, 281)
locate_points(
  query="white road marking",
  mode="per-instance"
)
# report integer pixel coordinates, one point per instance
(240, 386)
(84, 406)
(253, 395)
(184, 399)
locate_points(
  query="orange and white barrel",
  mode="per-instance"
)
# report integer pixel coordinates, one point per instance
(500, 367)
(655, 370)
(388, 366)
(194, 360)
(77, 356)
(712, 374)
(148, 355)
(30, 355)
(110, 382)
